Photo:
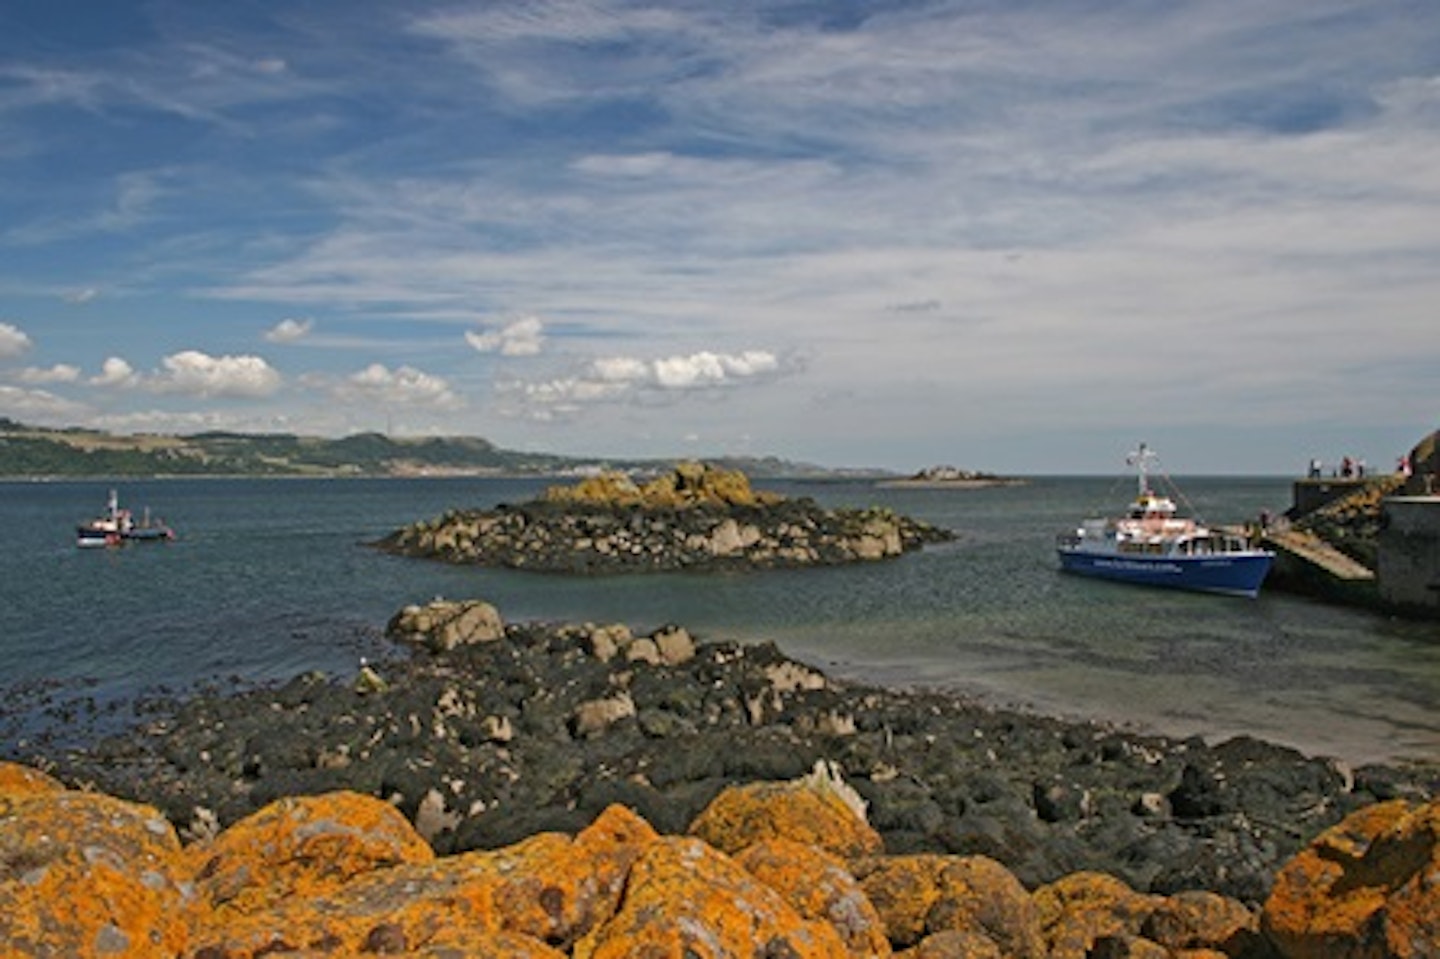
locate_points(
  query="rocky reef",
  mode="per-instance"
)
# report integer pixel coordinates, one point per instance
(488, 732)
(694, 518)
(776, 869)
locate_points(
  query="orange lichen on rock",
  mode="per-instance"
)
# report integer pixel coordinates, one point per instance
(1078, 910)
(83, 874)
(1365, 887)
(1199, 920)
(813, 810)
(921, 895)
(818, 886)
(549, 888)
(302, 847)
(685, 898)
(21, 782)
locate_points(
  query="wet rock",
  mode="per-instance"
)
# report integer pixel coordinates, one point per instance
(485, 744)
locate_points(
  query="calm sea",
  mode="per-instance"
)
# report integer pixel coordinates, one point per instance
(269, 578)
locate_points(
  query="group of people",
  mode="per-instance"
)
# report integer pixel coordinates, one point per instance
(1349, 468)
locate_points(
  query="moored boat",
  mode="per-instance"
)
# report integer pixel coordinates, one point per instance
(1152, 545)
(119, 526)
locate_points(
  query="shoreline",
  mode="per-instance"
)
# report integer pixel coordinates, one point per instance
(539, 726)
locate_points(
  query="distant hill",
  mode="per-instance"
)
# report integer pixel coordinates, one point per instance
(38, 451)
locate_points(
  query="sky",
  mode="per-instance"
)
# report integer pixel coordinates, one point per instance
(1009, 235)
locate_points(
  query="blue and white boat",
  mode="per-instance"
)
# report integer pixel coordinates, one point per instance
(1153, 546)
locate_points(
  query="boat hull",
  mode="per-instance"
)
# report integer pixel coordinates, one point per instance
(1236, 574)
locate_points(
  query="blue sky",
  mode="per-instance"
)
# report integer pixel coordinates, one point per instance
(1019, 236)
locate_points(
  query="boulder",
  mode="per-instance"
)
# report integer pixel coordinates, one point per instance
(445, 624)
(819, 886)
(918, 896)
(302, 847)
(684, 898)
(1365, 887)
(1079, 910)
(538, 896)
(594, 716)
(675, 644)
(818, 810)
(84, 874)
(22, 782)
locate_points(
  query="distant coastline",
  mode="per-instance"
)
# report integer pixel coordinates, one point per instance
(31, 453)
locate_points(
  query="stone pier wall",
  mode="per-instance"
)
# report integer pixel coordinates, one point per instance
(1409, 552)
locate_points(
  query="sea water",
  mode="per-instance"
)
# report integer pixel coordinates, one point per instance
(268, 578)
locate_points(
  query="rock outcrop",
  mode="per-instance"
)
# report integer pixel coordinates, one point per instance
(90, 875)
(485, 741)
(696, 518)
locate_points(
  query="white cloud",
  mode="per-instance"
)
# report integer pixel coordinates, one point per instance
(13, 341)
(289, 330)
(524, 337)
(620, 369)
(38, 405)
(612, 378)
(404, 386)
(712, 369)
(59, 373)
(81, 297)
(116, 373)
(199, 374)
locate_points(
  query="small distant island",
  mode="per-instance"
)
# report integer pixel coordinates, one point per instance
(950, 477)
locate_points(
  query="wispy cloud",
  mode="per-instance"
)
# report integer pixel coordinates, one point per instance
(944, 208)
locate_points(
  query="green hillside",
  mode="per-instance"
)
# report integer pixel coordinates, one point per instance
(38, 451)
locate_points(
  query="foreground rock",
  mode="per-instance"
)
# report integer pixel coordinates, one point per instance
(694, 518)
(90, 875)
(489, 732)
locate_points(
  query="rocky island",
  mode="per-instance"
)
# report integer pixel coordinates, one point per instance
(696, 517)
(582, 790)
(950, 477)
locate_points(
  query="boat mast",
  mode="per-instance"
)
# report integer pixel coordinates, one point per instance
(1141, 460)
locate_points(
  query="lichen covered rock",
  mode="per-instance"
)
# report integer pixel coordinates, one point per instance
(84, 874)
(819, 886)
(21, 782)
(817, 810)
(918, 896)
(1366, 887)
(302, 847)
(684, 898)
